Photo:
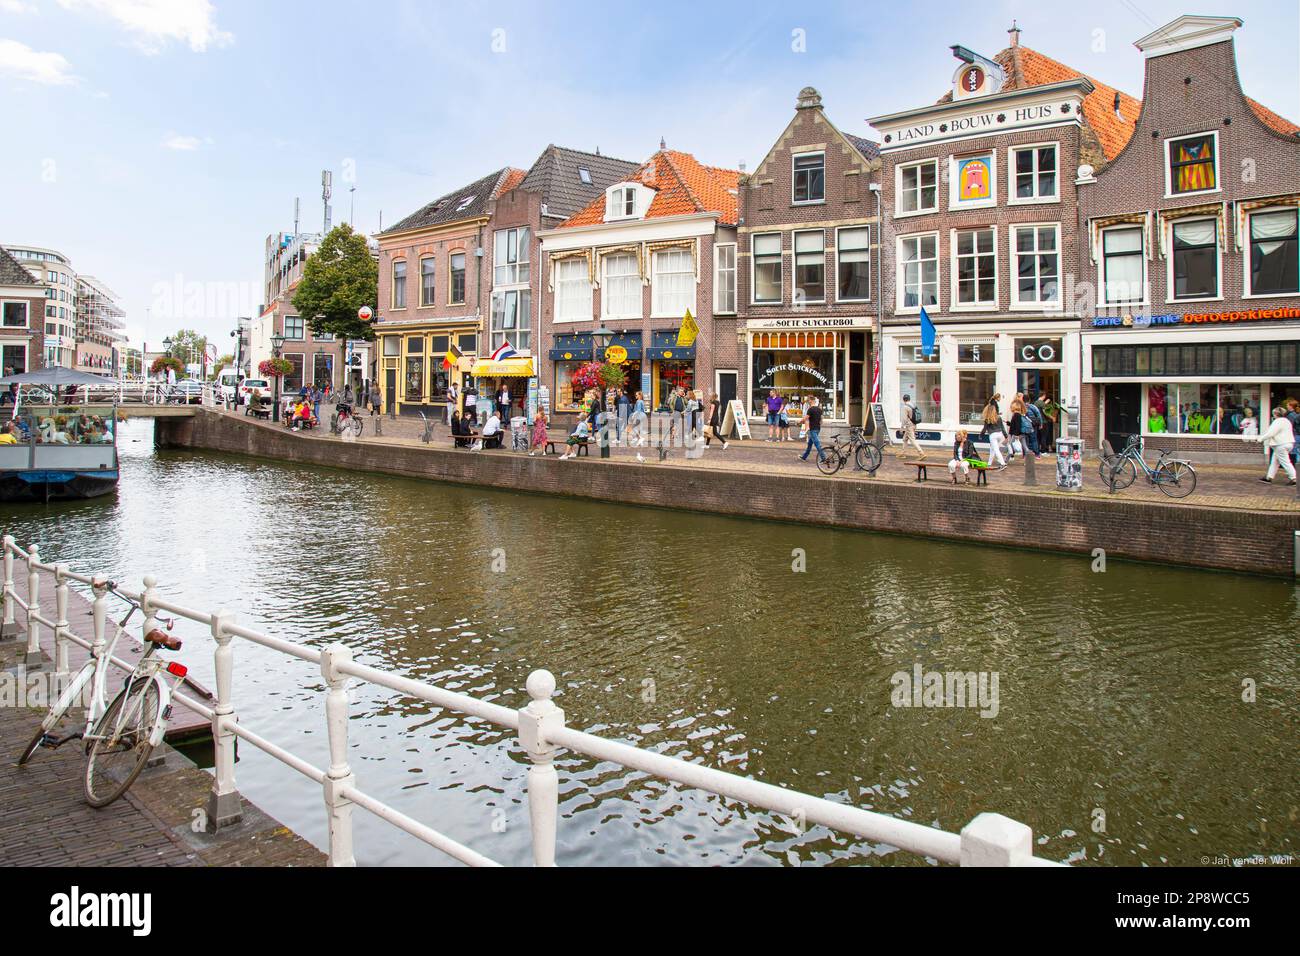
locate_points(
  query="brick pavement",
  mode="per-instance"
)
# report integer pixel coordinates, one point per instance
(45, 821)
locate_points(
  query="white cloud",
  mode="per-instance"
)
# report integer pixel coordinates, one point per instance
(155, 23)
(184, 144)
(16, 6)
(22, 62)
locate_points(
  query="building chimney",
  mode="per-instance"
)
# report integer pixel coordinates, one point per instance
(662, 144)
(1014, 32)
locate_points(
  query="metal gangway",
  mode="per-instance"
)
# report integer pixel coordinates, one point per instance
(542, 729)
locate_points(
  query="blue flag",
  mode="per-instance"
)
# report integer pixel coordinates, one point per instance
(927, 334)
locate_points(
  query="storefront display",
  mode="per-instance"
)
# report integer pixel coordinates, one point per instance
(797, 366)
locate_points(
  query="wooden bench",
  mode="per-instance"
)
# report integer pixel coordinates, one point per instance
(581, 448)
(921, 466)
(462, 441)
(981, 473)
(259, 411)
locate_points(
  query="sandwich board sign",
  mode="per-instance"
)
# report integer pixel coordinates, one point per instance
(735, 418)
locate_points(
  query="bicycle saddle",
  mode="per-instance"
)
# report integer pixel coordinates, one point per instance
(163, 640)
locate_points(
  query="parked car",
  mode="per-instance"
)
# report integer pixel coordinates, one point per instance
(190, 391)
(228, 385)
(249, 385)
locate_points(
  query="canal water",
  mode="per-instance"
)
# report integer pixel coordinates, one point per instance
(1123, 730)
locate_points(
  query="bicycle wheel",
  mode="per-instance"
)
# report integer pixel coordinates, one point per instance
(1125, 473)
(120, 749)
(1177, 479)
(357, 426)
(867, 457)
(830, 462)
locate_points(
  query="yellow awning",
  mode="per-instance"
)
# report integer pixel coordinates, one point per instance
(505, 367)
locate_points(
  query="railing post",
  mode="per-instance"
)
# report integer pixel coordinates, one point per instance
(94, 699)
(994, 840)
(535, 722)
(224, 806)
(340, 774)
(33, 660)
(146, 605)
(10, 626)
(60, 622)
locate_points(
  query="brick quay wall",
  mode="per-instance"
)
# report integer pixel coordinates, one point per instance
(1241, 540)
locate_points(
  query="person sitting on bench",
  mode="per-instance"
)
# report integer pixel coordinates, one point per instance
(461, 433)
(577, 440)
(964, 456)
(492, 431)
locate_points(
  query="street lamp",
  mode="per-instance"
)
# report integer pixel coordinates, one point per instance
(600, 339)
(277, 341)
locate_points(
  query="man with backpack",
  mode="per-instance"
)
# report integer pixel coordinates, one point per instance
(1031, 424)
(910, 416)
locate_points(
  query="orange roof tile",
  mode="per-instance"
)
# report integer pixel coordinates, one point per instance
(1026, 68)
(682, 184)
(512, 179)
(1278, 124)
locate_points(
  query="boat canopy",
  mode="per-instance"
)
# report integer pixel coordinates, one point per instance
(57, 377)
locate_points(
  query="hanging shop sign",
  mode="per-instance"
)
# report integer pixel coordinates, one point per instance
(616, 355)
(1038, 350)
(689, 330)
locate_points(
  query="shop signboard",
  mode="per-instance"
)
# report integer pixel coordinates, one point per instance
(689, 330)
(880, 429)
(616, 355)
(532, 399)
(645, 381)
(735, 418)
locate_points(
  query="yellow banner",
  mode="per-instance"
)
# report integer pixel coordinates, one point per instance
(687, 333)
(505, 367)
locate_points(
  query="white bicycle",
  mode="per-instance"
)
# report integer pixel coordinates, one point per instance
(120, 737)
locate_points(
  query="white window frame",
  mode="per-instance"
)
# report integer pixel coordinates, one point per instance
(523, 318)
(518, 272)
(27, 311)
(583, 281)
(1013, 269)
(1169, 264)
(954, 303)
(392, 291)
(1218, 165)
(657, 309)
(451, 276)
(1246, 292)
(634, 277)
(616, 202)
(871, 262)
(794, 267)
(899, 287)
(795, 157)
(899, 212)
(953, 203)
(753, 270)
(1142, 255)
(1012, 174)
(433, 300)
(720, 308)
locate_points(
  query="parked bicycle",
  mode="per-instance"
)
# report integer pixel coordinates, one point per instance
(345, 419)
(1175, 477)
(120, 737)
(836, 454)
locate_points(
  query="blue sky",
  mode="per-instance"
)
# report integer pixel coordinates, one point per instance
(158, 142)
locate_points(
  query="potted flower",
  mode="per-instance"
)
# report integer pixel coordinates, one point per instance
(274, 367)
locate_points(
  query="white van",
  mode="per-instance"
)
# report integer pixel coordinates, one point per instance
(227, 382)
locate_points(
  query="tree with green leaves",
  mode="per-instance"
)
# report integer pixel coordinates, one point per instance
(188, 346)
(337, 281)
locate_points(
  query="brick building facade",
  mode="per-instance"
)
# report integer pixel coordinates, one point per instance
(981, 234)
(632, 262)
(22, 317)
(1191, 245)
(808, 261)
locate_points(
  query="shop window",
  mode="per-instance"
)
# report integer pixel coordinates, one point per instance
(767, 267)
(724, 278)
(1037, 265)
(293, 380)
(392, 345)
(1274, 264)
(15, 315)
(414, 378)
(567, 396)
(975, 268)
(572, 291)
(1182, 408)
(457, 279)
(1122, 266)
(1195, 259)
(399, 284)
(974, 389)
(1035, 172)
(810, 178)
(924, 387)
(796, 375)
(810, 266)
(621, 292)
(918, 187)
(918, 263)
(853, 264)
(322, 369)
(669, 375)
(1192, 164)
(426, 281)
(673, 282)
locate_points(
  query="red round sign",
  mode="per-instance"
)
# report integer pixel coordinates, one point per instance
(364, 313)
(972, 79)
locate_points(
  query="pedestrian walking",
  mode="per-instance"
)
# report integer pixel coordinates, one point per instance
(715, 421)
(539, 436)
(995, 432)
(910, 416)
(1292, 407)
(783, 419)
(504, 402)
(1278, 440)
(316, 396)
(637, 423)
(624, 405)
(813, 419)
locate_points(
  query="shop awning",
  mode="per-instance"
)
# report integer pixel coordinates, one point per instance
(578, 347)
(663, 347)
(504, 368)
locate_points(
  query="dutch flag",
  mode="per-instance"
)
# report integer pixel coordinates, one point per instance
(503, 351)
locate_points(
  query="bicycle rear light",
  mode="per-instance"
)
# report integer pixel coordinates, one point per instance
(177, 670)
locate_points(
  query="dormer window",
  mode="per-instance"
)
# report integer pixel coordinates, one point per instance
(464, 203)
(622, 202)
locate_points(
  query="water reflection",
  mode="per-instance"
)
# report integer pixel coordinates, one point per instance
(1119, 692)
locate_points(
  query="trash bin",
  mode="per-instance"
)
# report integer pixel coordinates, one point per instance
(1069, 464)
(519, 433)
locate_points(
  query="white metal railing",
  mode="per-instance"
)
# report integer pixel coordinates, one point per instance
(128, 392)
(989, 840)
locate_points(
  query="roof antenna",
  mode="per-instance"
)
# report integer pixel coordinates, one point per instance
(1117, 112)
(1015, 34)
(597, 150)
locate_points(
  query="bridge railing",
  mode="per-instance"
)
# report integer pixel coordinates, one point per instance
(989, 840)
